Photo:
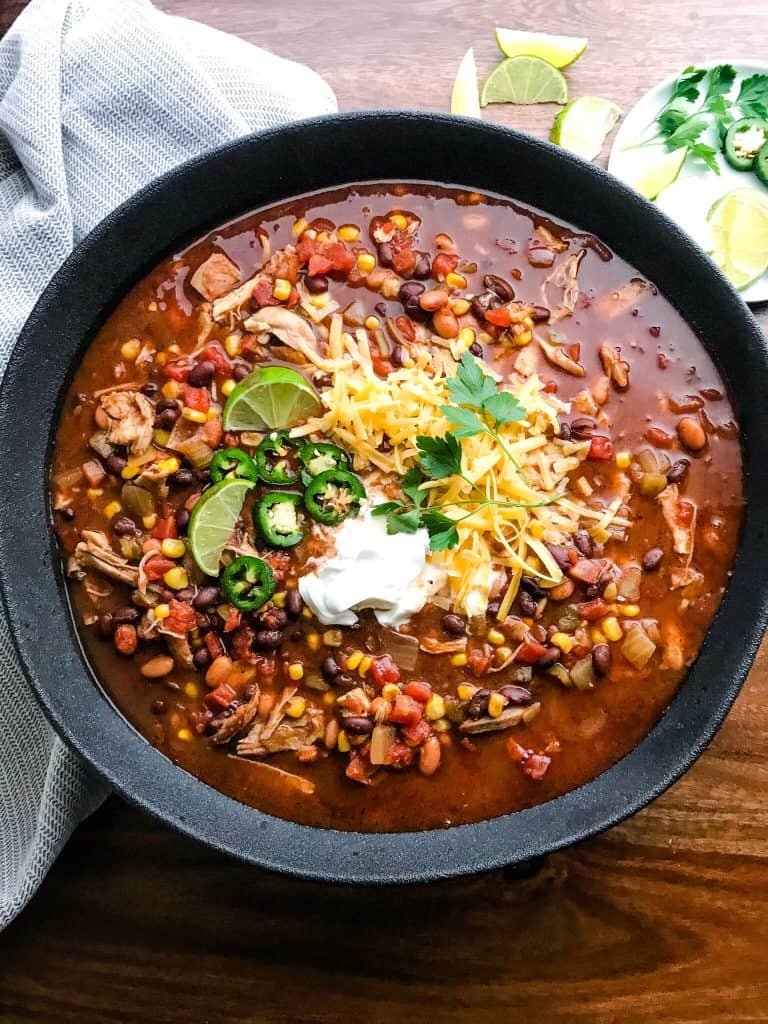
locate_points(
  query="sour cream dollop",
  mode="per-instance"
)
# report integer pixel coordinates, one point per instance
(371, 569)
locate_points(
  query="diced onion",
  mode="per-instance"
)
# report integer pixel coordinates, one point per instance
(583, 674)
(628, 584)
(382, 738)
(137, 500)
(638, 648)
(403, 648)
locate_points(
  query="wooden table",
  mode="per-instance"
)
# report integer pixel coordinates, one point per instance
(663, 918)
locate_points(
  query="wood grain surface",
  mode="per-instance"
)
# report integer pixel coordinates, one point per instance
(664, 918)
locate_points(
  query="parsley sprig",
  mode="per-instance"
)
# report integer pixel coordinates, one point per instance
(700, 100)
(478, 407)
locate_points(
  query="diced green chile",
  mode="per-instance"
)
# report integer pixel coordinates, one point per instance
(231, 463)
(319, 457)
(273, 463)
(334, 495)
(248, 583)
(739, 157)
(277, 518)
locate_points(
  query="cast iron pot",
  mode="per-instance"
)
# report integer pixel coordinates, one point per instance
(259, 171)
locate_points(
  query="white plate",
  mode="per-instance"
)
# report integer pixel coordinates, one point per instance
(696, 188)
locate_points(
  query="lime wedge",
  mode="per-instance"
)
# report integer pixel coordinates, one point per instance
(524, 80)
(559, 51)
(660, 174)
(739, 223)
(270, 398)
(583, 125)
(464, 95)
(213, 519)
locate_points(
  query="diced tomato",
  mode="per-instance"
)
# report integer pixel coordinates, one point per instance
(182, 617)
(165, 528)
(242, 643)
(600, 447)
(384, 670)
(499, 317)
(479, 660)
(232, 620)
(211, 432)
(157, 567)
(279, 563)
(219, 698)
(319, 265)
(340, 256)
(197, 398)
(419, 690)
(306, 248)
(659, 438)
(592, 610)
(382, 367)
(178, 370)
(215, 354)
(399, 755)
(533, 765)
(444, 263)
(262, 293)
(551, 387)
(684, 513)
(215, 645)
(414, 735)
(403, 261)
(358, 769)
(588, 570)
(406, 711)
(574, 351)
(292, 299)
(529, 652)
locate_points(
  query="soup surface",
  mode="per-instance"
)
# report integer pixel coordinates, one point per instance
(395, 507)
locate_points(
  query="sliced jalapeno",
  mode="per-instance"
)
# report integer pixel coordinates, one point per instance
(231, 463)
(273, 460)
(319, 457)
(743, 141)
(248, 583)
(278, 520)
(334, 495)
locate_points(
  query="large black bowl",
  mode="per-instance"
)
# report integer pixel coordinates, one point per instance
(261, 170)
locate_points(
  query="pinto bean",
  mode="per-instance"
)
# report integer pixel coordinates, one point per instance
(116, 464)
(126, 639)
(433, 300)
(429, 755)
(601, 659)
(499, 287)
(691, 434)
(218, 672)
(562, 591)
(331, 734)
(445, 323)
(201, 658)
(157, 667)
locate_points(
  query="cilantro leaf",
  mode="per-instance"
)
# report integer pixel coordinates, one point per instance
(445, 539)
(434, 520)
(440, 456)
(706, 153)
(685, 86)
(471, 386)
(505, 408)
(721, 79)
(410, 485)
(671, 119)
(442, 530)
(752, 100)
(407, 522)
(467, 423)
(688, 132)
(386, 507)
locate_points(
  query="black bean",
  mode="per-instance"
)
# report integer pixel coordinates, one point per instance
(158, 707)
(583, 542)
(652, 559)
(322, 380)
(478, 704)
(116, 464)
(330, 668)
(499, 287)
(385, 253)
(372, 643)
(201, 374)
(166, 403)
(357, 725)
(564, 433)
(317, 284)
(125, 527)
(149, 389)
(201, 658)
(423, 267)
(601, 659)
(678, 472)
(182, 477)
(294, 603)
(476, 349)
(206, 598)
(529, 584)
(203, 476)
(124, 614)
(483, 302)
(187, 595)
(275, 618)
(106, 625)
(551, 655)
(539, 314)
(182, 518)
(239, 371)
(344, 681)
(492, 609)
(517, 695)
(67, 514)
(167, 418)
(591, 592)
(526, 604)
(380, 309)
(409, 292)
(269, 639)
(398, 355)
(296, 636)
(582, 427)
(560, 554)
(453, 624)
(384, 446)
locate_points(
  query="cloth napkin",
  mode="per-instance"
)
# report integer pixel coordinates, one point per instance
(97, 97)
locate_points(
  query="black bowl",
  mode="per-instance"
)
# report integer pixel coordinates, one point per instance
(259, 171)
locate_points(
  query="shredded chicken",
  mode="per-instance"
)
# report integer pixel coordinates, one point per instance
(179, 647)
(621, 299)
(507, 718)
(130, 419)
(234, 300)
(290, 734)
(557, 357)
(682, 527)
(239, 720)
(297, 782)
(564, 277)
(615, 367)
(215, 276)
(290, 328)
(94, 552)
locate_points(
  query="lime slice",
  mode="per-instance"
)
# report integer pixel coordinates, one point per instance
(524, 80)
(660, 174)
(270, 398)
(739, 223)
(464, 95)
(559, 51)
(584, 125)
(213, 519)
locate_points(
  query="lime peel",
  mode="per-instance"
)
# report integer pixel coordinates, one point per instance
(270, 398)
(559, 51)
(584, 125)
(213, 520)
(464, 96)
(524, 80)
(739, 225)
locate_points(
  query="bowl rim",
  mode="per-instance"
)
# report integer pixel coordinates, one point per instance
(144, 776)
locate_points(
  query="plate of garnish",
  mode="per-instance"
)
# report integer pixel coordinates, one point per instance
(697, 144)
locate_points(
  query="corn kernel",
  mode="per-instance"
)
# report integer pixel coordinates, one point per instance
(459, 660)
(333, 637)
(597, 635)
(130, 349)
(366, 262)
(354, 660)
(563, 641)
(622, 460)
(306, 613)
(467, 336)
(281, 289)
(278, 599)
(95, 492)
(149, 522)
(454, 280)
(435, 707)
(503, 654)
(495, 637)
(365, 665)
(171, 547)
(612, 629)
(169, 466)
(465, 691)
(296, 707)
(611, 591)
(600, 535)
(296, 671)
(400, 222)
(313, 641)
(537, 529)
(372, 323)
(342, 743)
(522, 339)
(194, 415)
(228, 387)
(299, 227)
(329, 698)
(459, 306)
(191, 689)
(161, 358)
(323, 237)
(111, 510)
(152, 307)
(213, 413)
(177, 578)
(442, 725)
(319, 301)
(162, 611)
(171, 389)
(495, 705)
(349, 233)
(390, 691)
(232, 344)
(184, 734)
(631, 611)
(161, 438)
